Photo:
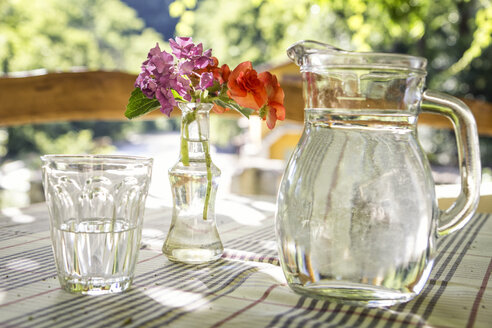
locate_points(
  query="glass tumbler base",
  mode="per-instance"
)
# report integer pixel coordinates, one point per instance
(95, 286)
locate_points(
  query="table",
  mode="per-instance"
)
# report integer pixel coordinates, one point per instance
(246, 288)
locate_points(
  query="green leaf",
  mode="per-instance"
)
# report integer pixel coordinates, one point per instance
(177, 96)
(242, 110)
(139, 104)
(245, 111)
(189, 118)
(203, 95)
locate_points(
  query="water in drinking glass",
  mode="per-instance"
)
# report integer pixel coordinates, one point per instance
(96, 206)
(96, 255)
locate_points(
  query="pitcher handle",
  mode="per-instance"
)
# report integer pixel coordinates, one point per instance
(465, 128)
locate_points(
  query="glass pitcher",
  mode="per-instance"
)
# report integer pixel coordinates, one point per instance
(357, 216)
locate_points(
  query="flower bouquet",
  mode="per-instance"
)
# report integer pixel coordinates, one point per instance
(190, 74)
(191, 79)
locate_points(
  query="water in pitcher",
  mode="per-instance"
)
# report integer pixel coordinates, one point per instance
(354, 215)
(96, 255)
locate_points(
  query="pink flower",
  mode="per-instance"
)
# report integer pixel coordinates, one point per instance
(181, 47)
(206, 81)
(185, 49)
(159, 63)
(146, 83)
(166, 99)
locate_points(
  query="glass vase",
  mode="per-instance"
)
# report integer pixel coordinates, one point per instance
(193, 236)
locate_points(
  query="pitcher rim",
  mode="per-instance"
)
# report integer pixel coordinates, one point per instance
(300, 52)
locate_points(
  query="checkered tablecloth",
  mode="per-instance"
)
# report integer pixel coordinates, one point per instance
(246, 288)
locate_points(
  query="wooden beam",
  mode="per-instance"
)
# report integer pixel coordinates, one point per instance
(102, 95)
(72, 96)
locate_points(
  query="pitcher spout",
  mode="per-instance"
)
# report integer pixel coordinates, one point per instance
(299, 51)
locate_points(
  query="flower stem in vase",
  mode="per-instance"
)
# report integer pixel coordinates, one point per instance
(208, 162)
(193, 236)
(185, 158)
(184, 144)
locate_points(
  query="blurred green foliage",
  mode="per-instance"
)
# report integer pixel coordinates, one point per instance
(60, 35)
(69, 137)
(454, 35)
(76, 142)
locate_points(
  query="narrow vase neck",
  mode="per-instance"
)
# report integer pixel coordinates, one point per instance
(195, 126)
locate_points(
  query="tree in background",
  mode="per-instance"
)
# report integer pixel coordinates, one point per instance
(58, 35)
(454, 35)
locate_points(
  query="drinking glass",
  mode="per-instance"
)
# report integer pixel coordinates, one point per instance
(96, 206)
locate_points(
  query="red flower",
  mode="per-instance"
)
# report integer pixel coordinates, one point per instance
(260, 92)
(223, 73)
(275, 109)
(246, 88)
